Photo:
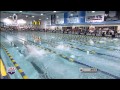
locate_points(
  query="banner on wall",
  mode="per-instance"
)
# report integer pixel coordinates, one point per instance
(73, 17)
(36, 23)
(97, 16)
(53, 19)
(111, 16)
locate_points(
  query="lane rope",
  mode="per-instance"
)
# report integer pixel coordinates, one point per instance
(24, 76)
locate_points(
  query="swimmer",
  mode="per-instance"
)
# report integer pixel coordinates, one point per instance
(39, 40)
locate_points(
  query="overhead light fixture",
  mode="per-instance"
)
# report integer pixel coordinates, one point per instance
(39, 19)
(20, 11)
(93, 11)
(54, 11)
(41, 13)
(26, 16)
(33, 16)
(46, 18)
(71, 14)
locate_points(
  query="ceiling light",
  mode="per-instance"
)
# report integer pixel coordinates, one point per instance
(54, 11)
(26, 16)
(41, 13)
(33, 16)
(93, 11)
(39, 19)
(71, 14)
(46, 18)
(20, 11)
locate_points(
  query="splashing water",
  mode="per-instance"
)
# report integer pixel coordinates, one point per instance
(22, 39)
(102, 41)
(63, 47)
(32, 51)
(72, 56)
(53, 37)
(91, 42)
(88, 52)
(10, 38)
(115, 39)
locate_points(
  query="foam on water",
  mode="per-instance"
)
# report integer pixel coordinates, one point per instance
(115, 39)
(10, 38)
(52, 37)
(88, 52)
(91, 42)
(102, 41)
(33, 51)
(72, 56)
(63, 47)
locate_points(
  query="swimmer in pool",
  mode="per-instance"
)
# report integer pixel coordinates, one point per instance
(35, 39)
(39, 40)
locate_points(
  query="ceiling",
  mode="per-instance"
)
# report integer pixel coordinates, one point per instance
(36, 14)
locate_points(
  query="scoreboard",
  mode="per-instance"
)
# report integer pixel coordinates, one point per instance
(36, 23)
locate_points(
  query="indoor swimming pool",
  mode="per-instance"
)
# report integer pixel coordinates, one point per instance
(61, 56)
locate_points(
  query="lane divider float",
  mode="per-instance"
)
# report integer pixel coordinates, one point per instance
(24, 76)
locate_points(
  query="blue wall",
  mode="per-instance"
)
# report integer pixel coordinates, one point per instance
(82, 16)
(65, 17)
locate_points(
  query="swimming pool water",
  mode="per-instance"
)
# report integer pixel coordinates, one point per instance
(47, 61)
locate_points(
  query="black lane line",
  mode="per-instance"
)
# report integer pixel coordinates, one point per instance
(40, 71)
(82, 63)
